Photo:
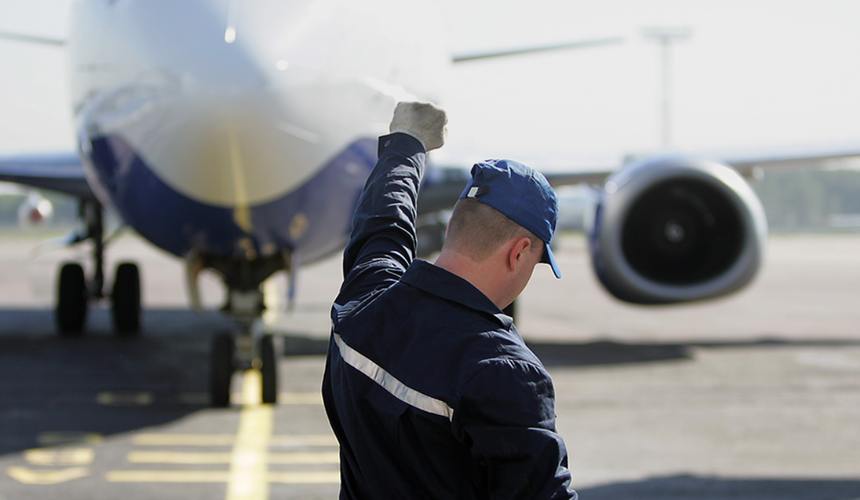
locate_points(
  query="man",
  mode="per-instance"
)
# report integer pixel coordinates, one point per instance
(429, 388)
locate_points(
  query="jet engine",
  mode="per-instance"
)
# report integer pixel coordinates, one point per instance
(676, 229)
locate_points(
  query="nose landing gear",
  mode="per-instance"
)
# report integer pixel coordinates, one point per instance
(249, 347)
(244, 352)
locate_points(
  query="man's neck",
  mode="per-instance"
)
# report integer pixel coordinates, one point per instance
(480, 274)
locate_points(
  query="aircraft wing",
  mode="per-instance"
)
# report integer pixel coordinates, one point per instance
(60, 172)
(41, 40)
(745, 163)
(578, 44)
(789, 158)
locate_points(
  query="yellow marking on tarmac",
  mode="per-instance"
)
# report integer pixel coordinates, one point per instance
(109, 398)
(305, 477)
(179, 457)
(278, 440)
(303, 440)
(183, 476)
(57, 438)
(167, 476)
(202, 458)
(249, 463)
(184, 439)
(60, 456)
(29, 476)
(330, 457)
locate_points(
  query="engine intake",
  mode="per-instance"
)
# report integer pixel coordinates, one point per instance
(677, 229)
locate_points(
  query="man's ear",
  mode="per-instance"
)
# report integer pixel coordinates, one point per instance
(517, 251)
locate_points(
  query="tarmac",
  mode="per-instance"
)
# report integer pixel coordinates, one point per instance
(755, 396)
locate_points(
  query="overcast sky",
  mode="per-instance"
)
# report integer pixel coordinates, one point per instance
(753, 74)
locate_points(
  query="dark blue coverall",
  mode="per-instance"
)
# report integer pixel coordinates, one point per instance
(428, 386)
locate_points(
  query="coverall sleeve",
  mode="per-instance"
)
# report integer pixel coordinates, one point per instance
(507, 418)
(383, 239)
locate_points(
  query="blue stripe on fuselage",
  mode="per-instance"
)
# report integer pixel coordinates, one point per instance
(320, 211)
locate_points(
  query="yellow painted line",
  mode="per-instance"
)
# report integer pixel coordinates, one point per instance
(330, 457)
(58, 438)
(202, 458)
(110, 398)
(176, 476)
(305, 477)
(60, 456)
(167, 476)
(278, 440)
(284, 441)
(179, 457)
(29, 476)
(184, 439)
(249, 463)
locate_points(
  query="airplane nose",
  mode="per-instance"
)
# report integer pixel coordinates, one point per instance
(211, 105)
(221, 146)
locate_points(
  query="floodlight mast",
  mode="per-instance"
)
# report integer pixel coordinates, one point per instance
(665, 37)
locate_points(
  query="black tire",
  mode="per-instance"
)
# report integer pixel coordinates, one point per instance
(269, 370)
(126, 299)
(71, 311)
(221, 370)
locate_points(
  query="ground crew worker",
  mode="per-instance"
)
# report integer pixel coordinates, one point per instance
(429, 388)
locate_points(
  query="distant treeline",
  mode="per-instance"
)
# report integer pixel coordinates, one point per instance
(797, 200)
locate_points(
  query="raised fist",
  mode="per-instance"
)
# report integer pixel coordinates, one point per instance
(423, 121)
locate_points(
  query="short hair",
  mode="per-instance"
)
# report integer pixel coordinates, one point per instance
(477, 230)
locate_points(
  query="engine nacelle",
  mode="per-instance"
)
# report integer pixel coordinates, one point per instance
(677, 229)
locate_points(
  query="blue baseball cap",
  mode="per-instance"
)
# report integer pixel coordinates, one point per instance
(522, 194)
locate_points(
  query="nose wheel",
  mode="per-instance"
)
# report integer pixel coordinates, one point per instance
(269, 370)
(242, 353)
(221, 369)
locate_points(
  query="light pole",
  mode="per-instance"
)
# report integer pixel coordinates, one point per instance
(665, 37)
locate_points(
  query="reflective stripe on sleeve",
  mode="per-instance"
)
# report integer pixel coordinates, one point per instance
(397, 388)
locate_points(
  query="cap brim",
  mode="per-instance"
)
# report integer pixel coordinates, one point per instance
(549, 258)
